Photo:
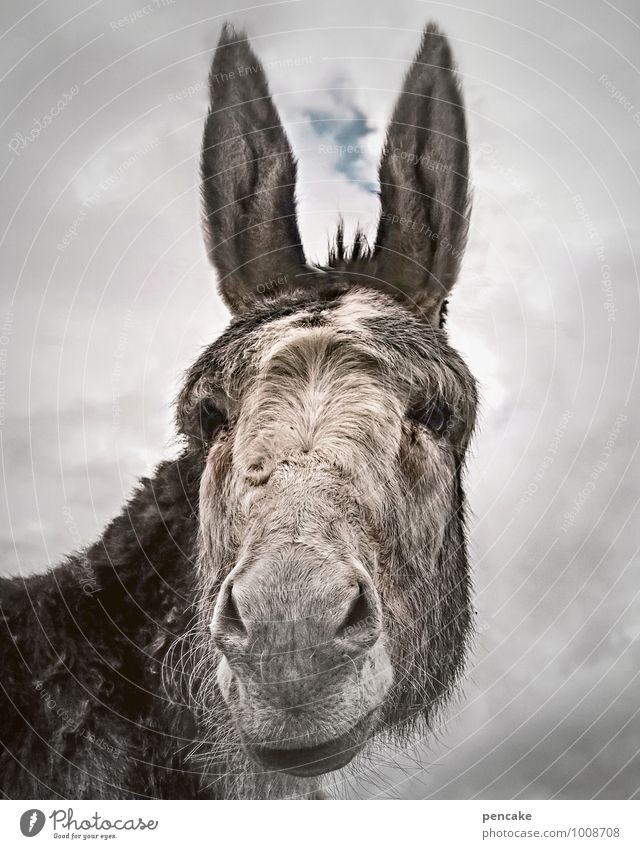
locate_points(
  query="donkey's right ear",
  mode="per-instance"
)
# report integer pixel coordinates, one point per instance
(248, 181)
(424, 184)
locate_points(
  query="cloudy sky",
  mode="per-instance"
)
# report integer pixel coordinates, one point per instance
(107, 296)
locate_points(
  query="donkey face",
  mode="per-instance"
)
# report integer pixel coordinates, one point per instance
(333, 419)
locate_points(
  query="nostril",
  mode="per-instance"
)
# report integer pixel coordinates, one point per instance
(232, 615)
(361, 621)
(359, 609)
(228, 622)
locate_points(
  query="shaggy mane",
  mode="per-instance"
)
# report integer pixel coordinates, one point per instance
(357, 259)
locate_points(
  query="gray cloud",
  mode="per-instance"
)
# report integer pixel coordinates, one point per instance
(344, 132)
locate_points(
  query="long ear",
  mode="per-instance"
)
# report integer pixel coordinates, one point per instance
(248, 180)
(424, 183)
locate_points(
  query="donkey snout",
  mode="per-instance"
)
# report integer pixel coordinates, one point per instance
(255, 615)
(304, 668)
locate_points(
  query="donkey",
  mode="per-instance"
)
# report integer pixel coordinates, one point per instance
(295, 584)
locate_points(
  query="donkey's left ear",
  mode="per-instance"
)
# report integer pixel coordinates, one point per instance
(424, 188)
(248, 181)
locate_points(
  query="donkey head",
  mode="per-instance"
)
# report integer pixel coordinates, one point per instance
(332, 419)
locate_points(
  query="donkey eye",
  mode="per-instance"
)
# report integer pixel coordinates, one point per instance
(433, 415)
(211, 419)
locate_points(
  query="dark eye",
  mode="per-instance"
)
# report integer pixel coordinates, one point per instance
(434, 415)
(210, 419)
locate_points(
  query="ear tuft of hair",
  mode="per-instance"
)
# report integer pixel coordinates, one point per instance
(342, 256)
